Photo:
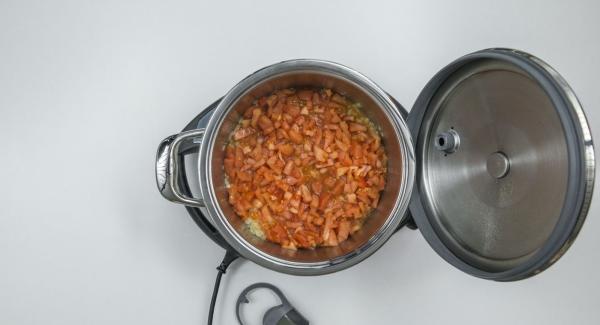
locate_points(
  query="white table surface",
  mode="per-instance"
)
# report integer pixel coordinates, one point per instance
(89, 88)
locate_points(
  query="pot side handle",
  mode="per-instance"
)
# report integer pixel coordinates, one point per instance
(168, 168)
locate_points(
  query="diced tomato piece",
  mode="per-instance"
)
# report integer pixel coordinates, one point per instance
(286, 149)
(324, 200)
(343, 231)
(295, 136)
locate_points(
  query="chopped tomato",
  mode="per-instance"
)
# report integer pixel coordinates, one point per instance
(306, 166)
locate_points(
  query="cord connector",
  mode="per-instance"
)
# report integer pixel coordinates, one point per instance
(228, 259)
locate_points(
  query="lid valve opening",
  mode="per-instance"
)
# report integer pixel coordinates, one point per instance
(447, 142)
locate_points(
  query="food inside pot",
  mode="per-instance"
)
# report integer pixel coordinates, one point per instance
(304, 168)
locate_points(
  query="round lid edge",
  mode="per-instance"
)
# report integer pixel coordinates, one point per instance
(581, 174)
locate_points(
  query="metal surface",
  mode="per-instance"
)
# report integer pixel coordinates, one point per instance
(512, 198)
(497, 165)
(380, 225)
(493, 222)
(168, 169)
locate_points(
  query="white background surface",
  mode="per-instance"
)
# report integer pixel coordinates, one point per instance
(89, 88)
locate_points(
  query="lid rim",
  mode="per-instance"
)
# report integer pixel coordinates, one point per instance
(580, 150)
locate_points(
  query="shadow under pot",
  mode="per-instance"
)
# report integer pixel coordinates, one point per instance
(495, 163)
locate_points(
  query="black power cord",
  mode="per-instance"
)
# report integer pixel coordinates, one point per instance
(230, 256)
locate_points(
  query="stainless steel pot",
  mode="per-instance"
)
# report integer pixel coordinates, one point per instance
(378, 106)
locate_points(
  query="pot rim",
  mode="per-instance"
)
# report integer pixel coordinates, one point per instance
(238, 242)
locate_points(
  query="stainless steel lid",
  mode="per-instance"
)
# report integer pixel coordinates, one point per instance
(505, 164)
